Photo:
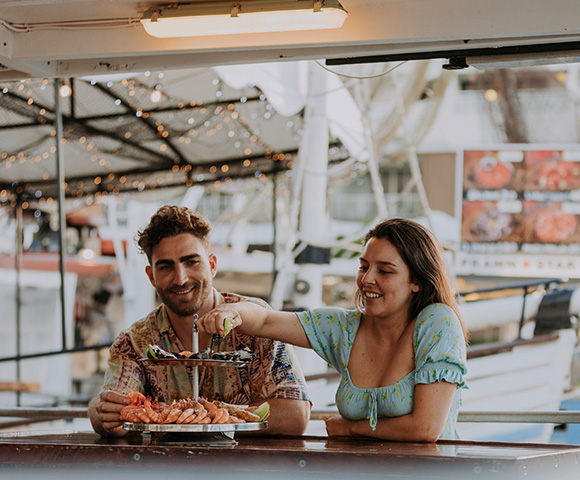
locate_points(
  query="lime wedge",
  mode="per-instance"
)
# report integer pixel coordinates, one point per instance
(227, 325)
(263, 411)
(151, 353)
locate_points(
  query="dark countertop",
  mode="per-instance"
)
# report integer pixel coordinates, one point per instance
(145, 456)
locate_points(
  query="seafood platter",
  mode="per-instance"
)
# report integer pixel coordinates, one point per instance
(195, 420)
(190, 421)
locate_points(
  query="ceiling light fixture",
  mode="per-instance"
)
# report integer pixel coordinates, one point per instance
(256, 16)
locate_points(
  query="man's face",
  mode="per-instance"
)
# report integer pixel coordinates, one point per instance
(181, 271)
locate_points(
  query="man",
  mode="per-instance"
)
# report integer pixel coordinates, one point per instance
(181, 268)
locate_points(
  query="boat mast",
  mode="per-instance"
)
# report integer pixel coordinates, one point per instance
(313, 221)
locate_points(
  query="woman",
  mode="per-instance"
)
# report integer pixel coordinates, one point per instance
(401, 353)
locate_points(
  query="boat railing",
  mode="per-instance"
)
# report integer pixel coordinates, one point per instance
(556, 417)
(526, 289)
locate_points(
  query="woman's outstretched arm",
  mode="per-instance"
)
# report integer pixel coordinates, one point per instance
(252, 319)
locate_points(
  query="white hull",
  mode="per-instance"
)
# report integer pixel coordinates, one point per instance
(530, 377)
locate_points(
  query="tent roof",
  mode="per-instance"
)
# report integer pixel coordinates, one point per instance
(116, 138)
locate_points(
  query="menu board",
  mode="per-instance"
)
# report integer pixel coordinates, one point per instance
(520, 212)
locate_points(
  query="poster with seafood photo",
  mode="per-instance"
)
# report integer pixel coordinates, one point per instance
(520, 212)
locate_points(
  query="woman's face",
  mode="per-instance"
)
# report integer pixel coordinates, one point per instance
(384, 280)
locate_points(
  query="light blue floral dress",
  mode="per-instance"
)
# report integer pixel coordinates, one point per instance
(440, 354)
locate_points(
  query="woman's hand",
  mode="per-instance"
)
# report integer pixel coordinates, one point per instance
(338, 426)
(213, 321)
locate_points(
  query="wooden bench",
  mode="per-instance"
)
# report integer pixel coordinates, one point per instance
(19, 387)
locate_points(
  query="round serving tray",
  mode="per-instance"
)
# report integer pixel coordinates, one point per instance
(196, 362)
(194, 428)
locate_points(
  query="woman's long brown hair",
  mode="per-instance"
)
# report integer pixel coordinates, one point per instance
(422, 254)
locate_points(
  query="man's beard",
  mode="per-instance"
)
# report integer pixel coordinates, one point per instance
(186, 309)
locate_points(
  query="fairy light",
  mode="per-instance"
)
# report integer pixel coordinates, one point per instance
(155, 96)
(65, 91)
(491, 95)
(220, 120)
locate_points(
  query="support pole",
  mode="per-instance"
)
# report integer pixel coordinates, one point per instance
(18, 297)
(61, 206)
(274, 230)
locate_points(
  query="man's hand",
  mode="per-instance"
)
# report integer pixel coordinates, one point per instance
(104, 413)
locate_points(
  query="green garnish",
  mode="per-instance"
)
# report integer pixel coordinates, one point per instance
(151, 353)
(227, 326)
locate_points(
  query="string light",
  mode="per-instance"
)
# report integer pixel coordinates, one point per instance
(216, 119)
(65, 91)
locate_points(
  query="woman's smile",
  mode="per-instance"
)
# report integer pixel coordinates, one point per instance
(372, 295)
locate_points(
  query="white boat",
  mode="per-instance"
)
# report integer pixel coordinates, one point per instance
(524, 376)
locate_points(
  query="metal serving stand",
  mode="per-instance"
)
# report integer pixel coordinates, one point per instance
(212, 435)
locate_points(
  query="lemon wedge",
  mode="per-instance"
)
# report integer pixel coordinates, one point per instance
(151, 353)
(263, 411)
(227, 325)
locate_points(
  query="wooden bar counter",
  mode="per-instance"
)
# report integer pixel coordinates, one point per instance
(72, 454)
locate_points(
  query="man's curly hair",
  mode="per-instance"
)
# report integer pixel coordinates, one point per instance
(169, 221)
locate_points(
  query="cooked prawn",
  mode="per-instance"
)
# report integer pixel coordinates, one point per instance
(210, 407)
(224, 417)
(202, 415)
(133, 417)
(142, 414)
(186, 414)
(233, 419)
(128, 414)
(136, 398)
(155, 416)
(173, 415)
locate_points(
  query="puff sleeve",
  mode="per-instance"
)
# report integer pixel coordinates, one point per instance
(439, 346)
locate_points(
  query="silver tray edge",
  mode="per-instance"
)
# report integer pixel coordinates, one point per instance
(196, 362)
(192, 428)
